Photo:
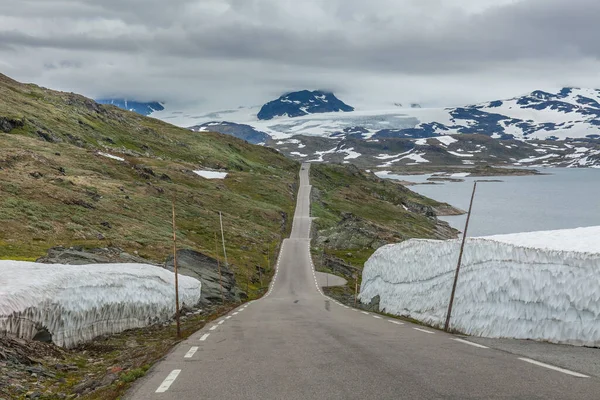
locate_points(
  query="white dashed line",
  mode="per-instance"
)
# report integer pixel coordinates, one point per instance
(471, 343)
(423, 330)
(364, 312)
(204, 337)
(212, 328)
(564, 371)
(376, 316)
(168, 381)
(395, 322)
(228, 317)
(221, 322)
(191, 352)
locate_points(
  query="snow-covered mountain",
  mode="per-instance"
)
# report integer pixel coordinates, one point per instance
(135, 106)
(565, 123)
(300, 103)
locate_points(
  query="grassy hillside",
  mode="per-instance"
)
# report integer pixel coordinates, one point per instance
(356, 213)
(58, 190)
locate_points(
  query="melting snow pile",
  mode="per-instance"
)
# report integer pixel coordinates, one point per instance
(76, 303)
(538, 285)
(211, 174)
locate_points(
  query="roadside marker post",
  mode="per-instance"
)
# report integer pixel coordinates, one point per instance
(355, 276)
(175, 270)
(219, 268)
(462, 247)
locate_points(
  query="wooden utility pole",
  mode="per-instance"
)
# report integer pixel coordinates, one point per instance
(223, 239)
(247, 281)
(462, 247)
(176, 275)
(219, 268)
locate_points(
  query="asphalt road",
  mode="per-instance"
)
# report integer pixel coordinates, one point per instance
(297, 344)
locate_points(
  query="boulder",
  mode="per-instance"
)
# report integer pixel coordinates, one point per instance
(204, 268)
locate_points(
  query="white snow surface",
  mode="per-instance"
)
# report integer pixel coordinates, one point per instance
(211, 174)
(446, 140)
(76, 303)
(111, 156)
(536, 285)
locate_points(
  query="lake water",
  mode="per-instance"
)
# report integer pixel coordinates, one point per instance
(567, 198)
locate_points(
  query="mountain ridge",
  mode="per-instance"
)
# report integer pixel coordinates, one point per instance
(304, 102)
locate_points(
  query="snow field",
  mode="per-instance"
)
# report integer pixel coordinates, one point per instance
(540, 285)
(76, 303)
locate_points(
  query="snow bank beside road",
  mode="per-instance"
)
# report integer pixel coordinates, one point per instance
(76, 303)
(516, 286)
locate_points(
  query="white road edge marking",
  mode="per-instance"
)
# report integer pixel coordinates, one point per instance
(221, 322)
(471, 343)
(564, 371)
(395, 322)
(423, 330)
(204, 337)
(377, 316)
(364, 312)
(228, 317)
(212, 328)
(168, 381)
(235, 313)
(191, 352)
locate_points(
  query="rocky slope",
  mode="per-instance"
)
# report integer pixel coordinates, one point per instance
(464, 150)
(135, 106)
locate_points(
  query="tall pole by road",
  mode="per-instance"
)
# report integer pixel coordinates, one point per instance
(176, 274)
(219, 268)
(462, 247)
(223, 239)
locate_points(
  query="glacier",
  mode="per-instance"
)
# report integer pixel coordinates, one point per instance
(76, 303)
(535, 285)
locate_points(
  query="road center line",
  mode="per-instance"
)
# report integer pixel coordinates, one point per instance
(212, 328)
(564, 371)
(204, 337)
(423, 330)
(168, 381)
(191, 352)
(471, 343)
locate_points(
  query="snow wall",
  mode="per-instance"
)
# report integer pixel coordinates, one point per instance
(76, 303)
(504, 291)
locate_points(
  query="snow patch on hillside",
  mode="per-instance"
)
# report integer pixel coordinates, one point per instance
(76, 303)
(111, 156)
(211, 174)
(538, 285)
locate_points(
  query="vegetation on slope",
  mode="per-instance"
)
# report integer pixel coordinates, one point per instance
(57, 189)
(356, 213)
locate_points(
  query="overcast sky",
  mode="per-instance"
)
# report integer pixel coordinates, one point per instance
(224, 53)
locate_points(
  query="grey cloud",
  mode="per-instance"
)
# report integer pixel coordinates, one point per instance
(267, 46)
